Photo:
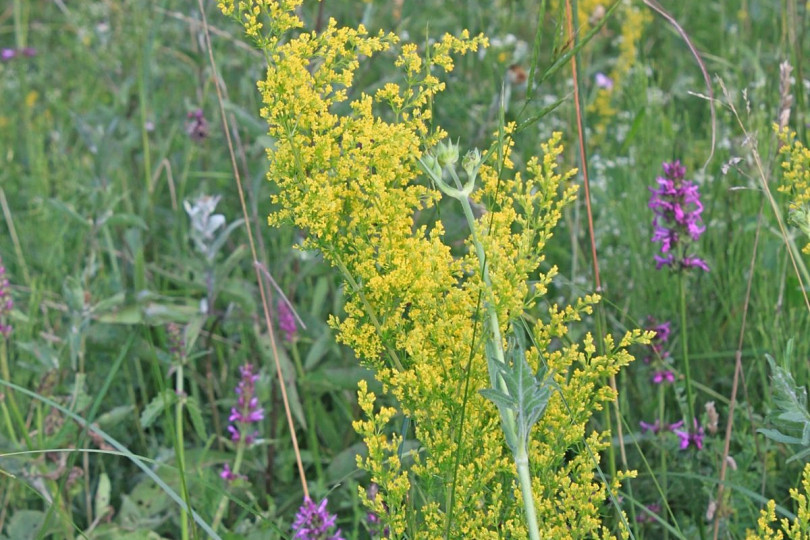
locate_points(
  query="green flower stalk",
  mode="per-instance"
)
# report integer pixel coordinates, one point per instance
(351, 174)
(515, 391)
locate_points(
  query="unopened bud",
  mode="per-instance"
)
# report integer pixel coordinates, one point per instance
(471, 162)
(447, 154)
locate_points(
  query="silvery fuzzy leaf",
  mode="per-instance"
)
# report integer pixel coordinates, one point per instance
(790, 414)
(523, 400)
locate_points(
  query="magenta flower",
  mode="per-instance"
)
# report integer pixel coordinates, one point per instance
(313, 522)
(652, 428)
(228, 475)
(661, 376)
(247, 410)
(197, 126)
(647, 518)
(677, 222)
(286, 320)
(373, 519)
(687, 438)
(6, 303)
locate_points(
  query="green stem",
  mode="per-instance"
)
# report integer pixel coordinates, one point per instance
(223, 501)
(16, 416)
(510, 420)
(181, 459)
(684, 346)
(524, 476)
(663, 454)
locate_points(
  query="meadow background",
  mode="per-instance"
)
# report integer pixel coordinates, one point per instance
(127, 261)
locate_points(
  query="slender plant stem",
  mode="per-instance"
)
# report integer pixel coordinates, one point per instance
(510, 418)
(181, 458)
(662, 451)
(256, 263)
(5, 373)
(601, 326)
(223, 501)
(685, 351)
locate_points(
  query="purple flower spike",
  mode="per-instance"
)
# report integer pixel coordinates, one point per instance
(247, 410)
(286, 320)
(6, 303)
(313, 522)
(197, 126)
(7, 54)
(677, 222)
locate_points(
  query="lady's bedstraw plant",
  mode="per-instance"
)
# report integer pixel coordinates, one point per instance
(796, 180)
(434, 326)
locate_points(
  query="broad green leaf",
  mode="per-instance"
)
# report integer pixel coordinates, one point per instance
(102, 500)
(26, 525)
(155, 407)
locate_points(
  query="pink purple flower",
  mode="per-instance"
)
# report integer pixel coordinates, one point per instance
(677, 222)
(652, 428)
(197, 126)
(373, 519)
(603, 81)
(6, 302)
(286, 320)
(313, 522)
(11, 54)
(695, 438)
(247, 410)
(645, 517)
(228, 475)
(663, 376)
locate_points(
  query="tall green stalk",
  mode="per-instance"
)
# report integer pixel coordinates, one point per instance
(685, 351)
(179, 446)
(663, 454)
(512, 429)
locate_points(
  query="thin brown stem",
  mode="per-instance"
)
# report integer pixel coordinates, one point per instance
(737, 373)
(256, 262)
(583, 158)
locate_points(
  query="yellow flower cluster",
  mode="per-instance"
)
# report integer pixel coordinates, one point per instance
(796, 179)
(798, 529)
(346, 171)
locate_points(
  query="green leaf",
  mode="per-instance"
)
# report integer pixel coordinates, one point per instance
(790, 415)
(102, 500)
(165, 399)
(778, 436)
(318, 350)
(115, 415)
(526, 395)
(26, 525)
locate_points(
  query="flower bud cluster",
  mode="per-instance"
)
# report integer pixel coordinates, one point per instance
(6, 302)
